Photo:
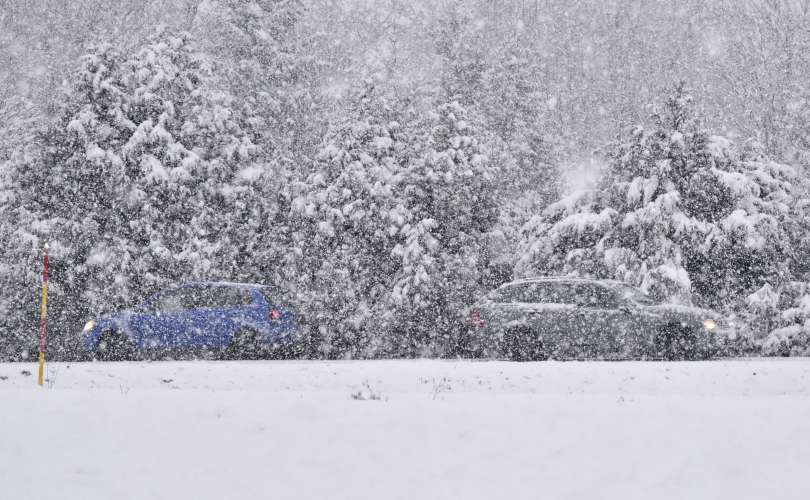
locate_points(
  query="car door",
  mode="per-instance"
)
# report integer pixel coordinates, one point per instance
(602, 322)
(219, 312)
(160, 321)
(564, 320)
(547, 308)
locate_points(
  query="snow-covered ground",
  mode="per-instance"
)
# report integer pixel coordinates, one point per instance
(406, 429)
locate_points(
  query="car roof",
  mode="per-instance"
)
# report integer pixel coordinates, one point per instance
(221, 284)
(564, 279)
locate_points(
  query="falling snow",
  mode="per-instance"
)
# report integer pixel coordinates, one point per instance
(465, 180)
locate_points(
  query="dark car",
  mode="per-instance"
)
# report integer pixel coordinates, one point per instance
(233, 319)
(571, 318)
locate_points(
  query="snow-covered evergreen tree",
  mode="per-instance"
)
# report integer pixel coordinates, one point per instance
(133, 184)
(347, 216)
(18, 117)
(391, 224)
(798, 225)
(513, 110)
(263, 58)
(20, 268)
(449, 194)
(792, 333)
(680, 213)
(458, 39)
(513, 107)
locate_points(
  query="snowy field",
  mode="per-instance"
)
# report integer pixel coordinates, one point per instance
(733, 429)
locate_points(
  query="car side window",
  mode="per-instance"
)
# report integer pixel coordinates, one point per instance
(219, 297)
(562, 293)
(536, 293)
(513, 294)
(170, 301)
(543, 294)
(595, 296)
(582, 295)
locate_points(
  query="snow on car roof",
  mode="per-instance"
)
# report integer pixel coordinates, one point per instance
(562, 279)
(223, 284)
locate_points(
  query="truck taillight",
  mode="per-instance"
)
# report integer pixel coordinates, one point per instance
(475, 319)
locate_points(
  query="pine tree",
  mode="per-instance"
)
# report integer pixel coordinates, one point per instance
(513, 111)
(18, 116)
(20, 275)
(792, 335)
(134, 182)
(514, 105)
(448, 192)
(459, 44)
(265, 61)
(348, 214)
(683, 214)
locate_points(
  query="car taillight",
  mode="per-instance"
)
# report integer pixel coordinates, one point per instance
(274, 314)
(475, 319)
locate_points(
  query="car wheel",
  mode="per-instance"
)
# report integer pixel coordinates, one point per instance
(676, 342)
(245, 344)
(114, 345)
(522, 344)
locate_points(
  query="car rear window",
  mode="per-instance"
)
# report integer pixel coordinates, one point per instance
(275, 297)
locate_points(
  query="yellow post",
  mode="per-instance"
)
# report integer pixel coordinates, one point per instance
(41, 367)
(43, 316)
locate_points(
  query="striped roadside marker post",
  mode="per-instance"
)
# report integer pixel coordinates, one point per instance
(43, 315)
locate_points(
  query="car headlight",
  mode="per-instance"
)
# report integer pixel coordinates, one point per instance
(89, 326)
(709, 324)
